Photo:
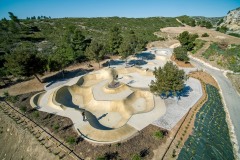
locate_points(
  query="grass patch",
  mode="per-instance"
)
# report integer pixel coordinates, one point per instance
(198, 45)
(23, 109)
(158, 135)
(136, 157)
(71, 140)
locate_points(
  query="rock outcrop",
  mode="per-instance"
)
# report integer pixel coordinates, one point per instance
(232, 20)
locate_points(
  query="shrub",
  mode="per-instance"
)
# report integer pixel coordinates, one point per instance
(36, 114)
(23, 109)
(174, 153)
(158, 135)
(56, 127)
(205, 35)
(180, 54)
(136, 157)
(70, 140)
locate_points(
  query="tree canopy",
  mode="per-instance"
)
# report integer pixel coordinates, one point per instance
(169, 80)
(115, 39)
(95, 52)
(187, 40)
(24, 61)
(180, 53)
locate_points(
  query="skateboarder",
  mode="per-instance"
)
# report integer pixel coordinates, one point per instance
(84, 116)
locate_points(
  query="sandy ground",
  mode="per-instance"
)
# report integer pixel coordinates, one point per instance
(214, 36)
(15, 141)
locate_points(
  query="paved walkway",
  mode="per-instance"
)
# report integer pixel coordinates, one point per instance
(176, 109)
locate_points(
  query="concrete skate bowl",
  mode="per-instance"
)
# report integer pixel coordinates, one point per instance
(34, 101)
(114, 113)
(135, 70)
(107, 118)
(163, 55)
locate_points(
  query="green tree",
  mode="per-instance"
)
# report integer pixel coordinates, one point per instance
(95, 52)
(187, 40)
(125, 50)
(24, 61)
(62, 57)
(115, 39)
(78, 44)
(14, 18)
(169, 80)
(180, 53)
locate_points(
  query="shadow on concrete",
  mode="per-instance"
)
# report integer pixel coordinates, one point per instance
(113, 62)
(93, 121)
(58, 77)
(138, 62)
(146, 56)
(183, 93)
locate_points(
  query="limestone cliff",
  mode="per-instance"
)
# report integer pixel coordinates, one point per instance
(232, 20)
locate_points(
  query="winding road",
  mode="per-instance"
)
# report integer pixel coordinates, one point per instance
(230, 95)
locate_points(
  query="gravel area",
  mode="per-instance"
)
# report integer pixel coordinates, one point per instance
(177, 108)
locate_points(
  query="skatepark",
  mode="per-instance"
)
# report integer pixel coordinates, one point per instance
(116, 100)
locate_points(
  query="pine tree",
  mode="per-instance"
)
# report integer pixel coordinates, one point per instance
(169, 80)
(115, 39)
(95, 52)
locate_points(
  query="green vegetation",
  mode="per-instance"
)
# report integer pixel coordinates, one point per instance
(158, 135)
(226, 56)
(193, 21)
(95, 52)
(210, 138)
(35, 45)
(36, 114)
(234, 34)
(23, 109)
(169, 80)
(56, 126)
(136, 157)
(204, 23)
(198, 44)
(205, 35)
(71, 140)
(10, 98)
(180, 53)
(187, 20)
(187, 40)
(222, 29)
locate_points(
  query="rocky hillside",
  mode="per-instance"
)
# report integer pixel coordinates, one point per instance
(232, 20)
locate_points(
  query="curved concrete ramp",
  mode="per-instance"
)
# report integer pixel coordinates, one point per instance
(108, 110)
(106, 136)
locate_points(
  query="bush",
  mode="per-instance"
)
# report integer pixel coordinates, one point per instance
(23, 109)
(36, 114)
(5, 94)
(180, 54)
(174, 153)
(222, 29)
(158, 135)
(136, 157)
(71, 140)
(205, 35)
(56, 127)
(234, 34)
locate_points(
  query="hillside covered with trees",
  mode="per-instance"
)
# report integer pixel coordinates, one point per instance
(40, 44)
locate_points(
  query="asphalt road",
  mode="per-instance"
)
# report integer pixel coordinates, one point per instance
(230, 95)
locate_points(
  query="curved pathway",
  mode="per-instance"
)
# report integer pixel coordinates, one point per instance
(230, 95)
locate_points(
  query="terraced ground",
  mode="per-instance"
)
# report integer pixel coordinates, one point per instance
(210, 138)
